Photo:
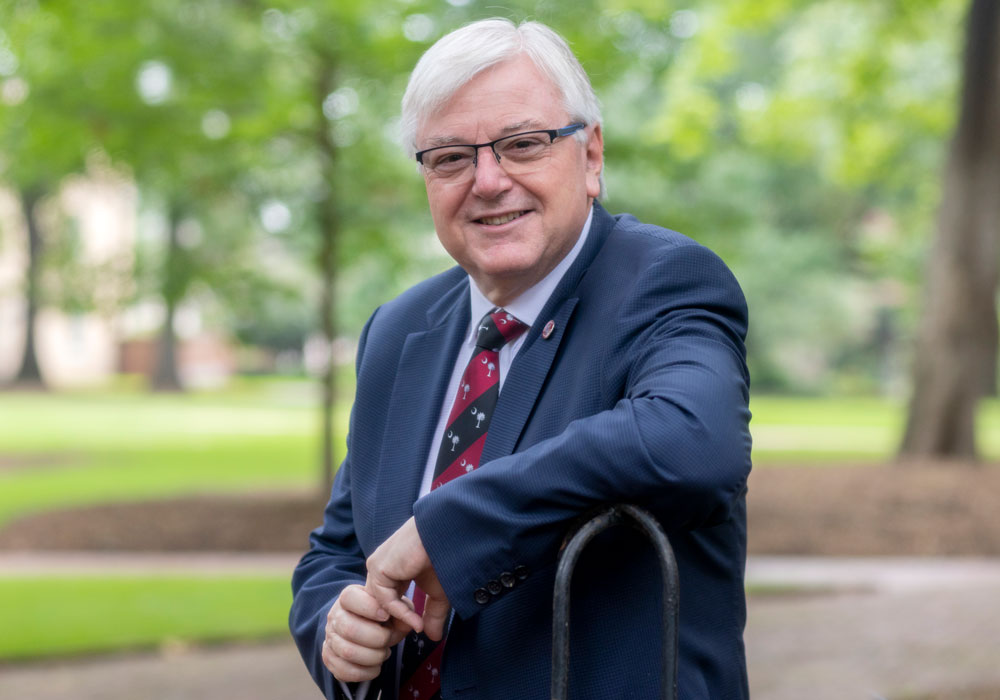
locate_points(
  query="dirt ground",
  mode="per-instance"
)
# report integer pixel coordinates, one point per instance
(843, 509)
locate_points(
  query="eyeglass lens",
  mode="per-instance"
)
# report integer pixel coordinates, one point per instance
(518, 153)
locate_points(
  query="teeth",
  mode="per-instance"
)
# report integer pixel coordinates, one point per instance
(497, 220)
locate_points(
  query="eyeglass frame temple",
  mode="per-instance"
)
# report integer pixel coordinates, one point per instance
(553, 135)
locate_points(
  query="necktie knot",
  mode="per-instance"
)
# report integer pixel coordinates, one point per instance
(498, 328)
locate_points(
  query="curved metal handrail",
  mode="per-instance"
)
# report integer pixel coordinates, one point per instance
(647, 524)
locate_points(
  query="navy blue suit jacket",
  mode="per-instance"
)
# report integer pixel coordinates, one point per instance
(639, 395)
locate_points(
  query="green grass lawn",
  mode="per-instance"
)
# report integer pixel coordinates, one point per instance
(76, 448)
(822, 430)
(92, 447)
(46, 617)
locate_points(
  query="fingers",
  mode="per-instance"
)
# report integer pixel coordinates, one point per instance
(352, 663)
(436, 606)
(357, 600)
(399, 630)
(436, 612)
(397, 561)
(358, 637)
(387, 595)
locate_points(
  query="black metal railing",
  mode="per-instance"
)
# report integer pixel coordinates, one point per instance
(575, 544)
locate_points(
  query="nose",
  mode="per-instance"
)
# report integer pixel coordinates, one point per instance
(490, 180)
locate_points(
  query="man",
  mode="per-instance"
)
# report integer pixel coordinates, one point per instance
(573, 359)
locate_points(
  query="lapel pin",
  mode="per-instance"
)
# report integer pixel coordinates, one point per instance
(547, 331)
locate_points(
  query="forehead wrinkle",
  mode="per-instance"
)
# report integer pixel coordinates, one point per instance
(524, 125)
(443, 141)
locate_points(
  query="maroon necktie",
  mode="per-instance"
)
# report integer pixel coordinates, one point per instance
(460, 450)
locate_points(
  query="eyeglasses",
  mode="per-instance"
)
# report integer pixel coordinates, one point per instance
(519, 153)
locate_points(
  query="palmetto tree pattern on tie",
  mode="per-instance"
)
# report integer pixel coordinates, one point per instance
(462, 442)
(459, 452)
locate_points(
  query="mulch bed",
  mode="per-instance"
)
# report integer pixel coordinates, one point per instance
(898, 509)
(252, 523)
(919, 509)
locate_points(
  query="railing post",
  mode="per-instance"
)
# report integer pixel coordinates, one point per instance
(575, 544)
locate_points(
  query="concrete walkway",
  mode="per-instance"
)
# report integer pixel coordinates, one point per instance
(873, 628)
(821, 628)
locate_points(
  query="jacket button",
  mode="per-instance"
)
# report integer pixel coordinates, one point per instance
(507, 579)
(521, 572)
(494, 587)
(482, 596)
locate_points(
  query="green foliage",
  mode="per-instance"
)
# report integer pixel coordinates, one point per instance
(803, 142)
(50, 617)
(801, 139)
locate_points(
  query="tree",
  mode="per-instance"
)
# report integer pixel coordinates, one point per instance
(186, 134)
(333, 84)
(29, 374)
(956, 352)
(47, 128)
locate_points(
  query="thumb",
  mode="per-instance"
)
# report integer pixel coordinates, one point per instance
(436, 613)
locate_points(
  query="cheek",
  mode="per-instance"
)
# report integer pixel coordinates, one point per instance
(444, 212)
(443, 200)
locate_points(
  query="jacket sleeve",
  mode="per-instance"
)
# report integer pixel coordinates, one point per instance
(676, 441)
(334, 561)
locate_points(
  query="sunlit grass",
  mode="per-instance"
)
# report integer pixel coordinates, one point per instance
(77, 448)
(857, 429)
(161, 472)
(81, 421)
(61, 616)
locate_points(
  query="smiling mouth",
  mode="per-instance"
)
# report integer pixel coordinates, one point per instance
(503, 219)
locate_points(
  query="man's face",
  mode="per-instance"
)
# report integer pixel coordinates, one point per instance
(508, 232)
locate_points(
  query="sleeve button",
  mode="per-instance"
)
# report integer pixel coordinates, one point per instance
(482, 596)
(507, 579)
(494, 587)
(521, 572)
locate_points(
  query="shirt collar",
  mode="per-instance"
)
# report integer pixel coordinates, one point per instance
(527, 306)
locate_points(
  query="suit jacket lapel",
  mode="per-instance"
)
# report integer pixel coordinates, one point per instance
(425, 365)
(532, 364)
(520, 389)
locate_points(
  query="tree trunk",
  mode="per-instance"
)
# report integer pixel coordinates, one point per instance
(329, 230)
(29, 375)
(165, 375)
(956, 352)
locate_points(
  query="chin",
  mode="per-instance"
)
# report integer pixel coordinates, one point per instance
(504, 266)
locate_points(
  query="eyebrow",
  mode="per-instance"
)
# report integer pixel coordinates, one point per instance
(526, 125)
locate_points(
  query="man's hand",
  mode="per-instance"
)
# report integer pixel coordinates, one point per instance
(401, 559)
(359, 636)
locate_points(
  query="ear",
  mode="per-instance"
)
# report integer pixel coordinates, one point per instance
(595, 161)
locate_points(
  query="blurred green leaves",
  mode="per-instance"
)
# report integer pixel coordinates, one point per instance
(801, 139)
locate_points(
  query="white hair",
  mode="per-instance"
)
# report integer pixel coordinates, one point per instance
(456, 58)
